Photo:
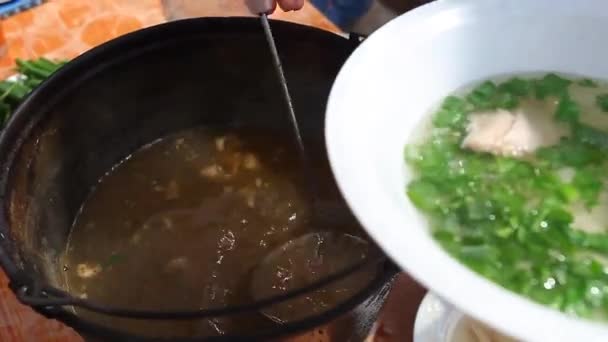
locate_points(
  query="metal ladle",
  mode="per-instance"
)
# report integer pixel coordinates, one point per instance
(304, 260)
(311, 257)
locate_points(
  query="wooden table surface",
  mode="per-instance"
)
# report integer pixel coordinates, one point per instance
(65, 29)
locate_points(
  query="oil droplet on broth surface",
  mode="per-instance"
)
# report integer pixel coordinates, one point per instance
(305, 260)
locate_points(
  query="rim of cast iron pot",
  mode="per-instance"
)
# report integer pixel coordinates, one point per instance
(94, 61)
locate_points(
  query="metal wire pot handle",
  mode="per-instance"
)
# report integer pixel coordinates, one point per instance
(31, 292)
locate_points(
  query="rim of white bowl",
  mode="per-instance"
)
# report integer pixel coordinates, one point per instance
(476, 296)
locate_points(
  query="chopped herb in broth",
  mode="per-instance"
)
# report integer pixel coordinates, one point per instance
(512, 178)
(181, 225)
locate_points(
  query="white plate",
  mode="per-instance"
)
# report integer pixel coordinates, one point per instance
(434, 320)
(397, 75)
(438, 321)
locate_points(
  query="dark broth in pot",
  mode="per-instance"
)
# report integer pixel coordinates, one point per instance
(183, 224)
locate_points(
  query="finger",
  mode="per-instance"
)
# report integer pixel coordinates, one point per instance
(261, 6)
(291, 5)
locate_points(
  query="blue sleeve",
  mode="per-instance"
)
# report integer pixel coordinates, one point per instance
(10, 7)
(343, 13)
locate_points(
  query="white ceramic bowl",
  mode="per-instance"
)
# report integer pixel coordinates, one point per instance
(392, 81)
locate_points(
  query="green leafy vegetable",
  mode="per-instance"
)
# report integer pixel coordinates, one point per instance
(570, 152)
(586, 82)
(588, 182)
(510, 219)
(517, 87)
(567, 110)
(592, 136)
(602, 102)
(490, 96)
(551, 85)
(424, 194)
(32, 73)
(506, 100)
(482, 96)
(453, 113)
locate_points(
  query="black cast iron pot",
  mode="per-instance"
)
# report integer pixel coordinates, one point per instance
(129, 92)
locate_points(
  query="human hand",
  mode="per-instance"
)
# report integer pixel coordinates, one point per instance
(268, 6)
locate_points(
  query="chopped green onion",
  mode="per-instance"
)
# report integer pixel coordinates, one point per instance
(567, 110)
(551, 85)
(511, 220)
(602, 102)
(586, 82)
(32, 72)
